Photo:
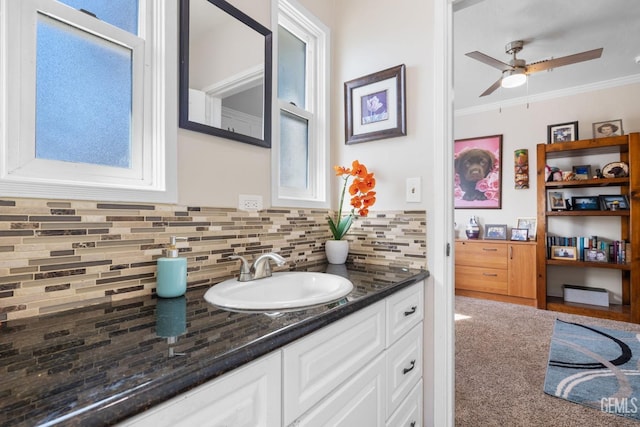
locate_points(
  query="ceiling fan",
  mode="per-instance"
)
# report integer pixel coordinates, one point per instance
(516, 71)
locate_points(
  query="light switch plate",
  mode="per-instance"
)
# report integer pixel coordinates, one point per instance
(414, 190)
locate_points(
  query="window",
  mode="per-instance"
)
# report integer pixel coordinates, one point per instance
(301, 127)
(91, 83)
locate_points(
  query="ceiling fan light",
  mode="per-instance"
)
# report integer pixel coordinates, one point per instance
(513, 78)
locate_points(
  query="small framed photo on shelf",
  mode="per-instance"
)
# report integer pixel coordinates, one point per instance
(607, 129)
(595, 255)
(582, 172)
(495, 231)
(564, 252)
(530, 223)
(586, 203)
(520, 234)
(614, 202)
(557, 201)
(563, 132)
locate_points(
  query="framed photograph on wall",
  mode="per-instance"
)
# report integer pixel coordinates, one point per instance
(478, 173)
(608, 128)
(375, 106)
(563, 132)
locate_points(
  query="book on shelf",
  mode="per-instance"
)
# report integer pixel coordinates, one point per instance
(593, 248)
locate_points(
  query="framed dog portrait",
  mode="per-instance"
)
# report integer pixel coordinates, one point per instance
(478, 173)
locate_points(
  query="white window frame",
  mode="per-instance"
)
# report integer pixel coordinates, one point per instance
(297, 20)
(153, 175)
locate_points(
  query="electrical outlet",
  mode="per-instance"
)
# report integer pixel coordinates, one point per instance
(413, 190)
(248, 202)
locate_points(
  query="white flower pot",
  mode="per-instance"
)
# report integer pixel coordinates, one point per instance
(337, 251)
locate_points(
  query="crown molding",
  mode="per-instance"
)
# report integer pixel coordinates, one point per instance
(621, 81)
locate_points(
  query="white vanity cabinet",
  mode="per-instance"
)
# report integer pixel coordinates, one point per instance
(246, 397)
(362, 370)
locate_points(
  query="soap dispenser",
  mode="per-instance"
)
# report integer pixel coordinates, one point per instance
(172, 272)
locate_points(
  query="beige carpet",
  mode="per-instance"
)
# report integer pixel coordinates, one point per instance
(501, 359)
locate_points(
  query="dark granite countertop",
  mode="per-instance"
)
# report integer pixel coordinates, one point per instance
(102, 364)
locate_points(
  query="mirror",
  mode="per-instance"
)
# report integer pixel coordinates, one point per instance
(225, 72)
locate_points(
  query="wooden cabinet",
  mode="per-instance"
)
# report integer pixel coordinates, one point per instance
(626, 149)
(497, 270)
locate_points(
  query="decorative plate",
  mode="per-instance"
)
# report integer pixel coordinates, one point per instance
(615, 170)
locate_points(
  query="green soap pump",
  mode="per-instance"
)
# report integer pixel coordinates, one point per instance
(172, 272)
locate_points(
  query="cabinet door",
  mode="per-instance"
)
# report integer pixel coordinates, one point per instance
(246, 397)
(359, 402)
(522, 271)
(318, 363)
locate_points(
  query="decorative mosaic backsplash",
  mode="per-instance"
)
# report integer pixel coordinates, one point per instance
(58, 255)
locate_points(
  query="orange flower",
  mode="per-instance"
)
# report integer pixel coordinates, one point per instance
(362, 196)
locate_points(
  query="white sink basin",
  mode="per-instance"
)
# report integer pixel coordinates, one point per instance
(286, 291)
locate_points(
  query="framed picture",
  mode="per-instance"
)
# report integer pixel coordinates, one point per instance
(582, 172)
(495, 231)
(595, 255)
(562, 132)
(521, 234)
(586, 203)
(618, 201)
(564, 252)
(557, 201)
(375, 106)
(478, 179)
(530, 223)
(608, 128)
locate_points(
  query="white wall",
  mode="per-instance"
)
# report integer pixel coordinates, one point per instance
(524, 127)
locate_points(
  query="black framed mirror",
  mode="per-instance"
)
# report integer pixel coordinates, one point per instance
(225, 72)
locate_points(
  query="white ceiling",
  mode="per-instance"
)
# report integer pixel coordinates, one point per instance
(550, 29)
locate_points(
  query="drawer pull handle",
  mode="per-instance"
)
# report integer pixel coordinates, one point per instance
(410, 312)
(406, 370)
(490, 249)
(489, 274)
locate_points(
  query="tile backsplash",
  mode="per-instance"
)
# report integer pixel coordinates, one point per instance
(57, 255)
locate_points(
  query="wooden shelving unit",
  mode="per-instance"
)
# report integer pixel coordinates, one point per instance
(628, 148)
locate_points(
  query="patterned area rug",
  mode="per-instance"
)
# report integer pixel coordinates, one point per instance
(596, 367)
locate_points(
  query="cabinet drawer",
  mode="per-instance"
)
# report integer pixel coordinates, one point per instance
(410, 411)
(320, 362)
(482, 279)
(487, 254)
(404, 367)
(405, 309)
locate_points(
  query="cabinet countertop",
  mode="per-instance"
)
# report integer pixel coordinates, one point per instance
(104, 363)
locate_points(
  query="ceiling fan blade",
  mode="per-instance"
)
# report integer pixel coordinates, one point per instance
(492, 88)
(565, 60)
(486, 59)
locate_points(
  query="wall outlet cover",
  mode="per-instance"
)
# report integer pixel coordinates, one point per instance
(249, 202)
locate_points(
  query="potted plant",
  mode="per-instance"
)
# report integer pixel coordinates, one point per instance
(362, 198)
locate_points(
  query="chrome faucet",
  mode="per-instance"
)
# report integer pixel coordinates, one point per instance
(261, 267)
